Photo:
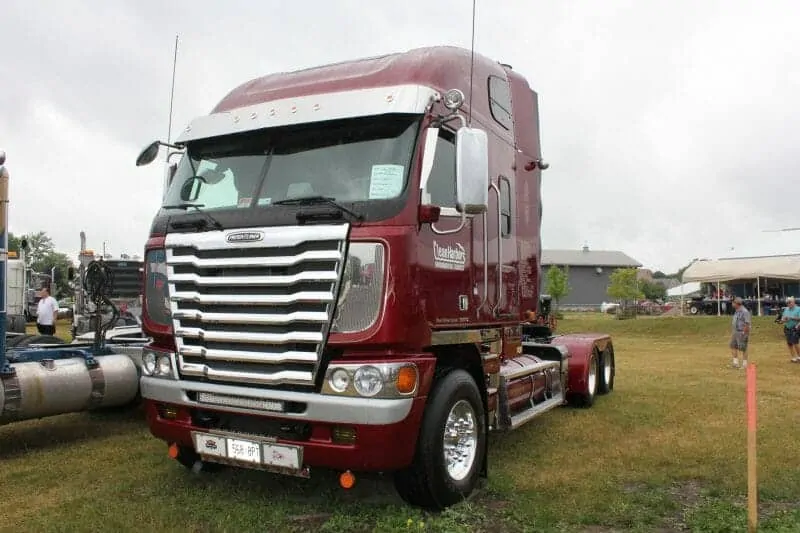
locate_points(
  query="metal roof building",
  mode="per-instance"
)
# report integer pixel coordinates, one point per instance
(588, 258)
(589, 272)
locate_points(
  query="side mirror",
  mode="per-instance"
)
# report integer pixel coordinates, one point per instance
(472, 171)
(23, 244)
(70, 272)
(149, 154)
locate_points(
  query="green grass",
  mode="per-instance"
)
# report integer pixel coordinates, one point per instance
(664, 452)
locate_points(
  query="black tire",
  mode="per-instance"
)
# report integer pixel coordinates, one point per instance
(12, 342)
(41, 339)
(607, 373)
(587, 399)
(427, 482)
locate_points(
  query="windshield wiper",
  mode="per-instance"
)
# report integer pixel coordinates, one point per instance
(214, 222)
(311, 200)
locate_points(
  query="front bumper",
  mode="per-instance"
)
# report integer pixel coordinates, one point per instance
(385, 430)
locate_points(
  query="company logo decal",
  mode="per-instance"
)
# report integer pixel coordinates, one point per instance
(449, 256)
(246, 236)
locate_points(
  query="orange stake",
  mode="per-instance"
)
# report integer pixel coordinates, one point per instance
(752, 484)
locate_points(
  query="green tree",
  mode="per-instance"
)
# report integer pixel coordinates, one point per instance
(13, 243)
(659, 275)
(653, 290)
(40, 245)
(61, 262)
(557, 284)
(624, 286)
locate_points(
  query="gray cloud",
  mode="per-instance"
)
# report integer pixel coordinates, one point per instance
(668, 127)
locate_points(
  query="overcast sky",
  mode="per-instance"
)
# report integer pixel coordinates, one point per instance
(670, 127)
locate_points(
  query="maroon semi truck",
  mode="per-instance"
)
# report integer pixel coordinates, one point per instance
(345, 274)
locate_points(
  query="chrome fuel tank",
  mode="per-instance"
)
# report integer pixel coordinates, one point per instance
(58, 386)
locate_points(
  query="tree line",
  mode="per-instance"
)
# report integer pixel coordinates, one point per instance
(42, 257)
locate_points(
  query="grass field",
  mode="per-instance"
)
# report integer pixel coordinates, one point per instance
(664, 452)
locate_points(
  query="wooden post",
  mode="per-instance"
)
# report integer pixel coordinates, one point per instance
(752, 483)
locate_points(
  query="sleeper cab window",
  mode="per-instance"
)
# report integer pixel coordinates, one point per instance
(500, 101)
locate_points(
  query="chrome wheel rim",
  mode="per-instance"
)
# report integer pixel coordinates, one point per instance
(592, 381)
(607, 369)
(460, 440)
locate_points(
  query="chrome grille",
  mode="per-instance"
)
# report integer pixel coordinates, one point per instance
(254, 312)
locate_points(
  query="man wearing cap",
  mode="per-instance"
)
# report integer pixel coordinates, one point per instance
(791, 323)
(741, 322)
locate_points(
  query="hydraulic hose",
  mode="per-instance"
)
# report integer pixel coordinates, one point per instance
(98, 282)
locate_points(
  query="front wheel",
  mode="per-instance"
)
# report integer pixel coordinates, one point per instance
(450, 448)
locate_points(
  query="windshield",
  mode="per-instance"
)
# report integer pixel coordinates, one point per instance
(353, 160)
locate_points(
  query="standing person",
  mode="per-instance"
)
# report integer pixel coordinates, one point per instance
(791, 323)
(46, 313)
(741, 322)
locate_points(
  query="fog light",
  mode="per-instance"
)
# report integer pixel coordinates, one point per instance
(170, 413)
(343, 435)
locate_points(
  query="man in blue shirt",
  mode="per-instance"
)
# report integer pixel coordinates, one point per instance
(791, 323)
(741, 322)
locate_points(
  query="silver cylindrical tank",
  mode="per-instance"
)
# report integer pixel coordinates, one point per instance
(54, 387)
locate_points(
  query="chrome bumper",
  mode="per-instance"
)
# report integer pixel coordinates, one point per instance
(319, 407)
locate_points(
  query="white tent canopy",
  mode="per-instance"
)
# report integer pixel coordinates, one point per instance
(775, 267)
(684, 290)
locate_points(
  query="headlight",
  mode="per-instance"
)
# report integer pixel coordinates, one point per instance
(157, 364)
(368, 381)
(361, 292)
(149, 363)
(377, 380)
(339, 380)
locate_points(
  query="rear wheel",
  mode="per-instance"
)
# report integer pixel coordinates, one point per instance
(41, 339)
(586, 399)
(450, 447)
(11, 342)
(607, 372)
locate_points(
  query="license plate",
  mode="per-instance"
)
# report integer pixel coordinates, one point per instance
(285, 456)
(210, 445)
(244, 450)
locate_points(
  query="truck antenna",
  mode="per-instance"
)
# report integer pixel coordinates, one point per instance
(471, 64)
(172, 94)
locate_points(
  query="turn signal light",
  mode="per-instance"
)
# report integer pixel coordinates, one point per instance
(173, 450)
(347, 480)
(406, 380)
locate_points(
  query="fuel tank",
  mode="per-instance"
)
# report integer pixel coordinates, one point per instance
(530, 383)
(59, 386)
